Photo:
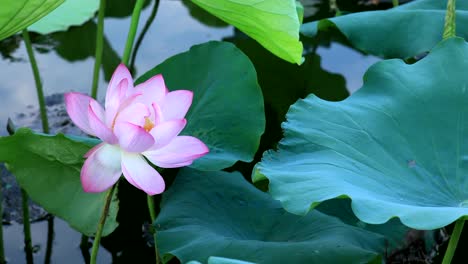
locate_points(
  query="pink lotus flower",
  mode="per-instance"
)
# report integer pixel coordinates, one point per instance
(137, 123)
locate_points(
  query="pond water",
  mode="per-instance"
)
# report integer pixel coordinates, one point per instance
(66, 64)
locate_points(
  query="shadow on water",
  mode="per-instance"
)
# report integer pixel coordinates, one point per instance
(331, 70)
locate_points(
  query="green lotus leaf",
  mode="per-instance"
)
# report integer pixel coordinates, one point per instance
(16, 15)
(397, 147)
(402, 32)
(273, 23)
(207, 214)
(48, 168)
(71, 13)
(227, 112)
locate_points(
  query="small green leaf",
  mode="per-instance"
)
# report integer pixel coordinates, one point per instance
(273, 23)
(48, 168)
(397, 147)
(71, 13)
(403, 32)
(16, 15)
(227, 111)
(221, 214)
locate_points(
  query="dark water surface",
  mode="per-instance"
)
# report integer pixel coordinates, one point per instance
(66, 64)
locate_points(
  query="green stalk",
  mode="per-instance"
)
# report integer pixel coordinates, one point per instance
(2, 249)
(152, 212)
(37, 79)
(452, 246)
(99, 48)
(143, 33)
(50, 239)
(132, 32)
(84, 247)
(27, 227)
(450, 25)
(395, 3)
(102, 221)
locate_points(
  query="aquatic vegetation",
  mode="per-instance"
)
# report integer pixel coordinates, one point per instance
(363, 178)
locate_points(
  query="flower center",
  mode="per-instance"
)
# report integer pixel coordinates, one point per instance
(148, 124)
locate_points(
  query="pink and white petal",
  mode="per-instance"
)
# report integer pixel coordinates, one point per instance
(98, 110)
(166, 132)
(114, 101)
(175, 165)
(137, 170)
(120, 73)
(99, 128)
(157, 115)
(135, 113)
(93, 149)
(133, 138)
(176, 104)
(77, 108)
(154, 90)
(102, 169)
(181, 149)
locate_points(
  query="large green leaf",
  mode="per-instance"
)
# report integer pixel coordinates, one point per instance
(71, 13)
(15, 15)
(48, 168)
(220, 214)
(227, 110)
(397, 147)
(273, 23)
(406, 31)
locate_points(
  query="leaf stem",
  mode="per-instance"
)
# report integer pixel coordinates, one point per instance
(84, 247)
(27, 227)
(102, 221)
(143, 32)
(452, 246)
(50, 239)
(37, 79)
(450, 25)
(152, 212)
(132, 31)
(2, 249)
(99, 48)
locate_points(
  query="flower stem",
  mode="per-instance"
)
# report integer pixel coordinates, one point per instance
(395, 3)
(27, 227)
(152, 212)
(37, 79)
(132, 32)
(50, 239)
(143, 32)
(102, 221)
(99, 48)
(452, 246)
(2, 249)
(84, 247)
(450, 25)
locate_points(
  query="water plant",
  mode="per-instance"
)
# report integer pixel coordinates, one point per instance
(348, 181)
